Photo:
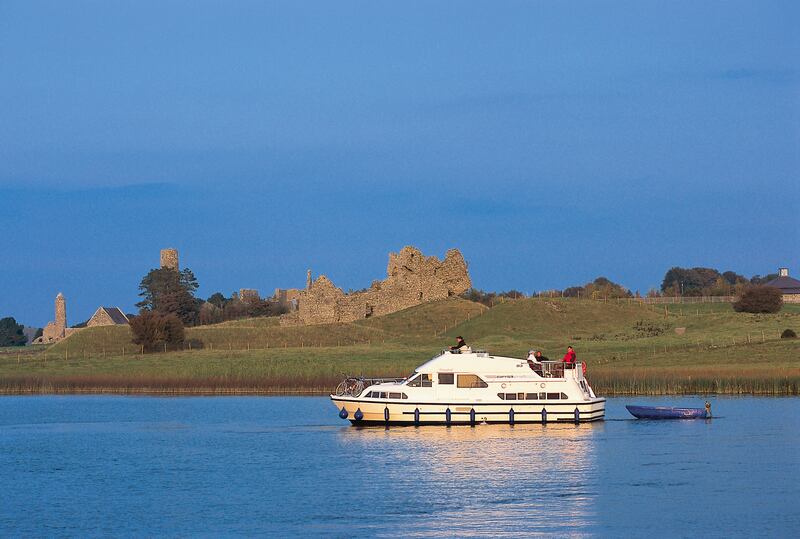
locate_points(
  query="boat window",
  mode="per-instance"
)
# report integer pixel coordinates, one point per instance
(542, 396)
(532, 396)
(394, 395)
(564, 396)
(553, 396)
(404, 395)
(502, 396)
(471, 381)
(422, 380)
(511, 396)
(368, 395)
(521, 396)
(446, 377)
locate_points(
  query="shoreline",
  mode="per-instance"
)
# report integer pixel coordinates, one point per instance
(49, 389)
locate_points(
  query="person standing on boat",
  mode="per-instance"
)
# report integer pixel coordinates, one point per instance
(569, 358)
(461, 344)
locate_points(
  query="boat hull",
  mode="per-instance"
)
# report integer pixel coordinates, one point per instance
(374, 412)
(662, 412)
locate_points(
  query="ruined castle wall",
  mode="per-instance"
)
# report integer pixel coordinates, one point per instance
(412, 278)
(320, 304)
(248, 294)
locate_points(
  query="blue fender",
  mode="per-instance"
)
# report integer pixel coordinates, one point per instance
(416, 417)
(544, 415)
(359, 415)
(472, 417)
(511, 416)
(343, 413)
(386, 414)
(577, 415)
(447, 415)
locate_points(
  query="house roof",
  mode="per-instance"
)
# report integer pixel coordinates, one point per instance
(117, 316)
(786, 284)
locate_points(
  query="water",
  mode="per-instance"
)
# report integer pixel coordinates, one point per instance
(141, 466)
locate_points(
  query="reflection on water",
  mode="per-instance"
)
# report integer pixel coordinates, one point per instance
(460, 480)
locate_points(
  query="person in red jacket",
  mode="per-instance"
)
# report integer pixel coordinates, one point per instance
(569, 358)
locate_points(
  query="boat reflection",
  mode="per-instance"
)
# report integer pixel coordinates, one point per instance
(535, 475)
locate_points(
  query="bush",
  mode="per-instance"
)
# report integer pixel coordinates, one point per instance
(153, 330)
(760, 299)
(788, 334)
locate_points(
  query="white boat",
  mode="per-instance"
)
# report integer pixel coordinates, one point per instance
(472, 387)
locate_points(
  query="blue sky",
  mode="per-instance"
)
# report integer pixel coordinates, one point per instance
(551, 142)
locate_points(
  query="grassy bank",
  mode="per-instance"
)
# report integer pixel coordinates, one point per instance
(630, 349)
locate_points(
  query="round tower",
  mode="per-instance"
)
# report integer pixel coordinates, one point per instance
(61, 313)
(169, 259)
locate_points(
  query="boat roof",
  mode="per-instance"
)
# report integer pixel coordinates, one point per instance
(477, 361)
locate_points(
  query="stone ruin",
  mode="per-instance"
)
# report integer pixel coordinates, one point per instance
(56, 330)
(412, 278)
(169, 259)
(249, 294)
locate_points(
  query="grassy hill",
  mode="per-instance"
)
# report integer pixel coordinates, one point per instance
(629, 347)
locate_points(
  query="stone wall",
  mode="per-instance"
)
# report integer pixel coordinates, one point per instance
(100, 318)
(248, 294)
(288, 297)
(412, 278)
(169, 259)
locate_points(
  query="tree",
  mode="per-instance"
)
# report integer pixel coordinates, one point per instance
(217, 299)
(169, 291)
(733, 278)
(758, 279)
(600, 288)
(11, 333)
(479, 296)
(153, 330)
(760, 299)
(210, 314)
(689, 281)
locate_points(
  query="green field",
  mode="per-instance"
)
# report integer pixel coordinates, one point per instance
(629, 348)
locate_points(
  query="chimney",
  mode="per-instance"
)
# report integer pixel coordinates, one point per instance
(783, 272)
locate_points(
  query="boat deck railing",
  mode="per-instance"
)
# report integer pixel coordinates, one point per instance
(557, 369)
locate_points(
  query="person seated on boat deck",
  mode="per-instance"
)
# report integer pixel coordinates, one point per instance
(534, 362)
(540, 357)
(569, 358)
(461, 345)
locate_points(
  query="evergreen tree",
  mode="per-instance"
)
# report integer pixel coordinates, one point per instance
(11, 333)
(168, 291)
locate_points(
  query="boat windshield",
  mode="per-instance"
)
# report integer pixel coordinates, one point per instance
(420, 380)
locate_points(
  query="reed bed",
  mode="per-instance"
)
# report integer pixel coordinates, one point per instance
(685, 381)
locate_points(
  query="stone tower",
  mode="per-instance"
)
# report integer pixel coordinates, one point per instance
(61, 313)
(169, 259)
(56, 330)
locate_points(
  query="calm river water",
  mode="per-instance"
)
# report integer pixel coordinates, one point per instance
(288, 466)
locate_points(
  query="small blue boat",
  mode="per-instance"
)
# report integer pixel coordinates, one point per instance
(665, 412)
